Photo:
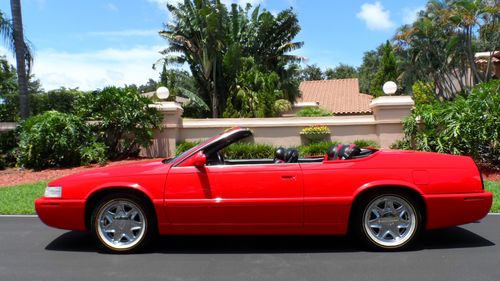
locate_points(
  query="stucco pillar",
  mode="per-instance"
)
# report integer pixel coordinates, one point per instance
(389, 112)
(164, 139)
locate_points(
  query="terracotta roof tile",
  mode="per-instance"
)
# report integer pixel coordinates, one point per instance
(339, 96)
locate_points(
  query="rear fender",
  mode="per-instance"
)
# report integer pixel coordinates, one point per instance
(387, 183)
(392, 185)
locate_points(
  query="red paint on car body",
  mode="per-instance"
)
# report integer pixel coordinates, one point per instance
(275, 198)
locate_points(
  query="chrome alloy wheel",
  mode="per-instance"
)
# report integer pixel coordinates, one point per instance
(390, 221)
(121, 224)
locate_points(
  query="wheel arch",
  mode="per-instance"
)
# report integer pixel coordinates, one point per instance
(99, 193)
(372, 189)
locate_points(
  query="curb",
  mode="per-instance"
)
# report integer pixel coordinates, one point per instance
(18, 216)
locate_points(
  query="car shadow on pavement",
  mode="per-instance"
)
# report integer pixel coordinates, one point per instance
(455, 237)
(449, 238)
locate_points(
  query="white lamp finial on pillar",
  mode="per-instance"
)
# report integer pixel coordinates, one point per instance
(390, 88)
(162, 93)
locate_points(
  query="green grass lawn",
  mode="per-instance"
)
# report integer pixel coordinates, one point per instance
(494, 187)
(19, 199)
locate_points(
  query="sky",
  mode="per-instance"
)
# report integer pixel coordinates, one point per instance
(91, 44)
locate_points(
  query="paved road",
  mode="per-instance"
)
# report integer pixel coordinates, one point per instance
(30, 250)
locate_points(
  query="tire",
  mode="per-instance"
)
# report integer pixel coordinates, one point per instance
(388, 222)
(122, 223)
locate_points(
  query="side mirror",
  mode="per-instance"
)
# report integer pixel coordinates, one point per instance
(199, 159)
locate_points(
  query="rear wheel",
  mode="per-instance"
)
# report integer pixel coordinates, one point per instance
(389, 222)
(121, 223)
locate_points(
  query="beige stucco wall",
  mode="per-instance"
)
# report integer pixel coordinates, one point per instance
(384, 126)
(7, 126)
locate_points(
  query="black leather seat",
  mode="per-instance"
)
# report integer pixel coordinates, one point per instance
(343, 151)
(279, 155)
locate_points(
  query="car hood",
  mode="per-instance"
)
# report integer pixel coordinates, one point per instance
(118, 171)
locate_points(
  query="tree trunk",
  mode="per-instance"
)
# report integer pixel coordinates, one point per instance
(488, 67)
(215, 105)
(215, 97)
(20, 49)
(471, 56)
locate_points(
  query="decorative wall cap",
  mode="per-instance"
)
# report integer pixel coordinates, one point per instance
(392, 101)
(8, 126)
(306, 104)
(278, 121)
(167, 106)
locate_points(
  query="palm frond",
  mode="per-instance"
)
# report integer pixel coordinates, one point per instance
(194, 98)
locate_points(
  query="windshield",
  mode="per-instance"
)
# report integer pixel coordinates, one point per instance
(191, 150)
(169, 160)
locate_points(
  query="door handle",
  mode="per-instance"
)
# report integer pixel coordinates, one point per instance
(288, 177)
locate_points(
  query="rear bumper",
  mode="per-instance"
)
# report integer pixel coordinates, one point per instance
(61, 213)
(445, 210)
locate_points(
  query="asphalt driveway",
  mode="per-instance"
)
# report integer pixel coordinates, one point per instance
(30, 250)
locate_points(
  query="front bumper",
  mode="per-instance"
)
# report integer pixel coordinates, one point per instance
(61, 213)
(445, 210)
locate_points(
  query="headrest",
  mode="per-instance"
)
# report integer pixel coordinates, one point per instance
(279, 154)
(292, 155)
(343, 151)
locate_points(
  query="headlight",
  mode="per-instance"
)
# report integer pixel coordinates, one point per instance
(53, 191)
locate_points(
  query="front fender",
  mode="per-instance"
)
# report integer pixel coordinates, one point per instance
(119, 184)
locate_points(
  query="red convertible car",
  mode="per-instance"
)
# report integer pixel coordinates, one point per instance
(384, 197)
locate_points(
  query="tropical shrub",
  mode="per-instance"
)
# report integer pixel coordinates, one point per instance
(364, 143)
(8, 143)
(468, 125)
(121, 119)
(94, 152)
(312, 111)
(184, 146)
(254, 93)
(55, 139)
(315, 149)
(402, 144)
(282, 106)
(387, 70)
(423, 93)
(245, 150)
(9, 108)
(62, 100)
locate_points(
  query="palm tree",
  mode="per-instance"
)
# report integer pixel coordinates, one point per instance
(470, 15)
(440, 46)
(198, 36)
(23, 57)
(269, 40)
(212, 42)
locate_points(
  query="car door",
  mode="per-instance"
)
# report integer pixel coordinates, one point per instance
(248, 195)
(328, 192)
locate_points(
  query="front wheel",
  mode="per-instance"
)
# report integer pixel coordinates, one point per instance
(389, 222)
(121, 223)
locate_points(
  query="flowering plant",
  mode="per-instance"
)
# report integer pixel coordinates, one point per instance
(315, 132)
